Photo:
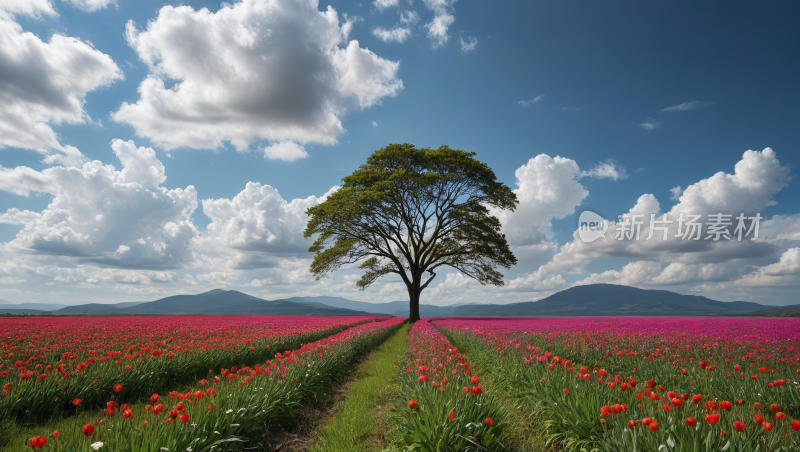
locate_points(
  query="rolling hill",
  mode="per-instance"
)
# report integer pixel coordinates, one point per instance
(614, 300)
(588, 300)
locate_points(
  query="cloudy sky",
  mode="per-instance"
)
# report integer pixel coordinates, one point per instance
(149, 149)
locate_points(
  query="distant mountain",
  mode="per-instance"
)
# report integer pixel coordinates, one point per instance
(28, 306)
(229, 302)
(614, 300)
(96, 308)
(398, 308)
(588, 300)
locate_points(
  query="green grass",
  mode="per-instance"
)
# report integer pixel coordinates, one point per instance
(359, 419)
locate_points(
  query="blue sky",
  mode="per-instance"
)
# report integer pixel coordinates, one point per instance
(222, 125)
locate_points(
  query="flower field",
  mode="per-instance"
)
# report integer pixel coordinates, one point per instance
(183, 383)
(45, 363)
(222, 410)
(647, 384)
(442, 403)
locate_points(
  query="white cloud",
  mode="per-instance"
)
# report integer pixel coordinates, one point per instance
(442, 19)
(784, 272)
(688, 106)
(757, 178)
(409, 17)
(22, 181)
(348, 24)
(397, 34)
(286, 150)
(19, 217)
(255, 228)
(468, 45)
(45, 83)
(383, 4)
(278, 71)
(536, 99)
(374, 124)
(96, 209)
(537, 281)
(547, 189)
(90, 5)
(606, 170)
(652, 124)
(675, 193)
(31, 8)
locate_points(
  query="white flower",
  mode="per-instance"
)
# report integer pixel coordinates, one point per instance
(96, 446)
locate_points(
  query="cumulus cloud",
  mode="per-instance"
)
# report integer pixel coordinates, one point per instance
(279, 71)
(537, 281)
(785, 272)
(45, 83)
(606, 170)
(688, 106)
(526, 103)
(468, 45)
(757, 178)
(257, 225)
(675, 193)
(98, 211)
(397, 34)
(547, 189)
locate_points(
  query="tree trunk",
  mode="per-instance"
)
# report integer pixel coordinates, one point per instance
(413, 305)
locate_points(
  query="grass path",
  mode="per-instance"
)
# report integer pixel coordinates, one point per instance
(359, 425)
(525, 437)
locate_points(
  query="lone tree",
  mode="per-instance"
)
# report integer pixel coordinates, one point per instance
(409, 211)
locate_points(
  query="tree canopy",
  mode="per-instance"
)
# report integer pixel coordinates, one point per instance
(410, 211)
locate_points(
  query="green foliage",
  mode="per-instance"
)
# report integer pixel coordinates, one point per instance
(408, 211)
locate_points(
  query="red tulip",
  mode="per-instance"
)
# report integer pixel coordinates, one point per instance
(691, 422)
(739, 426)
(653, 426)
(88, 429)
(413, 404)
(451, 415)
(488, 421)
(117, 388)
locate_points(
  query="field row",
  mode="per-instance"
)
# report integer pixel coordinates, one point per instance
(647, 384)
(45, 363)
(226, 410)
